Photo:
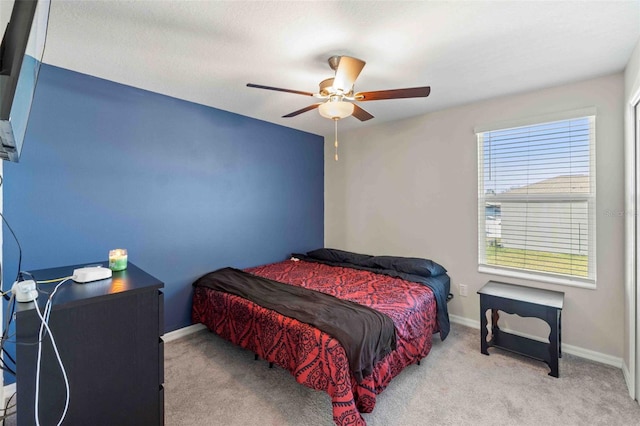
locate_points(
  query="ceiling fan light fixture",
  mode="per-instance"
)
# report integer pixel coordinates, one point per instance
(336, 110)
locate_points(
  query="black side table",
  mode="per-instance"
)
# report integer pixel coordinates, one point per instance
(526, 302)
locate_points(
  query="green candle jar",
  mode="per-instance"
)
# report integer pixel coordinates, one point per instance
(118, 259)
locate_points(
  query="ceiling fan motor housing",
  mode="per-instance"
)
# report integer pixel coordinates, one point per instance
(334, 61)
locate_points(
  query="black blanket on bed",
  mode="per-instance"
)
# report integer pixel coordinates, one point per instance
(366, 334)
(423, 271)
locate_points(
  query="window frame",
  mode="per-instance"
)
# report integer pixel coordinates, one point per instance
(521, 273)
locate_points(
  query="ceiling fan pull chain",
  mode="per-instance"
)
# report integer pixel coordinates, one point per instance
(335, 120)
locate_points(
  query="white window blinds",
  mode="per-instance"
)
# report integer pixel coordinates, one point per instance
(536, 200)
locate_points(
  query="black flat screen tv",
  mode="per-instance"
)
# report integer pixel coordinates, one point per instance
(20, 58)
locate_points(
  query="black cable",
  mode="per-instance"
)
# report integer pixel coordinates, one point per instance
(30, 275)
(7, 323)
(5, 367)
(6, 408)
(1, 259)
(17, 242)
(9, 356)
(5, 331)
(19, 248)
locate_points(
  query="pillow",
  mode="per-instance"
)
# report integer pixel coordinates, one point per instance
(408, 265)
(339, 256)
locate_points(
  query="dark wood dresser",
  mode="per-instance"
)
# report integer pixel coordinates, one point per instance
(108, 335)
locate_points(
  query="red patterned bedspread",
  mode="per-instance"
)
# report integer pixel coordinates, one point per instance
(316, 359)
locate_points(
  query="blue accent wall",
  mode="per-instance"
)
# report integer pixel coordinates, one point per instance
(184, 187)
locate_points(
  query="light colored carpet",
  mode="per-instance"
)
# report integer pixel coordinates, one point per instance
(209, 381)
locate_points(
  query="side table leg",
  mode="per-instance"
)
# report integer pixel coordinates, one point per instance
(560, 334)
(483, 327)
(554, 342)
(495, 329)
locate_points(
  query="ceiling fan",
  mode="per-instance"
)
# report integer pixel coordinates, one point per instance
(338, 94)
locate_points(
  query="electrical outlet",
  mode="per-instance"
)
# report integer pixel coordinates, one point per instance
(463, 289)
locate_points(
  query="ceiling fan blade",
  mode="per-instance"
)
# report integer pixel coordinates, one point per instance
(348, 70)
(300, 111)
(277, 89)
(361, 114)
(414, 92)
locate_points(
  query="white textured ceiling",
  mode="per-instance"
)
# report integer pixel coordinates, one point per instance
(206, 51)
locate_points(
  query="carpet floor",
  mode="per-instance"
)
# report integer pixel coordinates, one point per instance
(209, 381)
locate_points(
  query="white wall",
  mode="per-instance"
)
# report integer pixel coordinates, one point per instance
(410, 188)
(631, 90)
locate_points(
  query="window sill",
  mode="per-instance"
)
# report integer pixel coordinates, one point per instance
(541, 277)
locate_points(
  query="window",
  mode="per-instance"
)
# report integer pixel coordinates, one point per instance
(536, 201)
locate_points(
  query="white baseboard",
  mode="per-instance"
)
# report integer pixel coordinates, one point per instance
(181, 332)
(464, 321)
(569, 349)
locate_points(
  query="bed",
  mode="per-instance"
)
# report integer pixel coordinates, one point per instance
(411, 292)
